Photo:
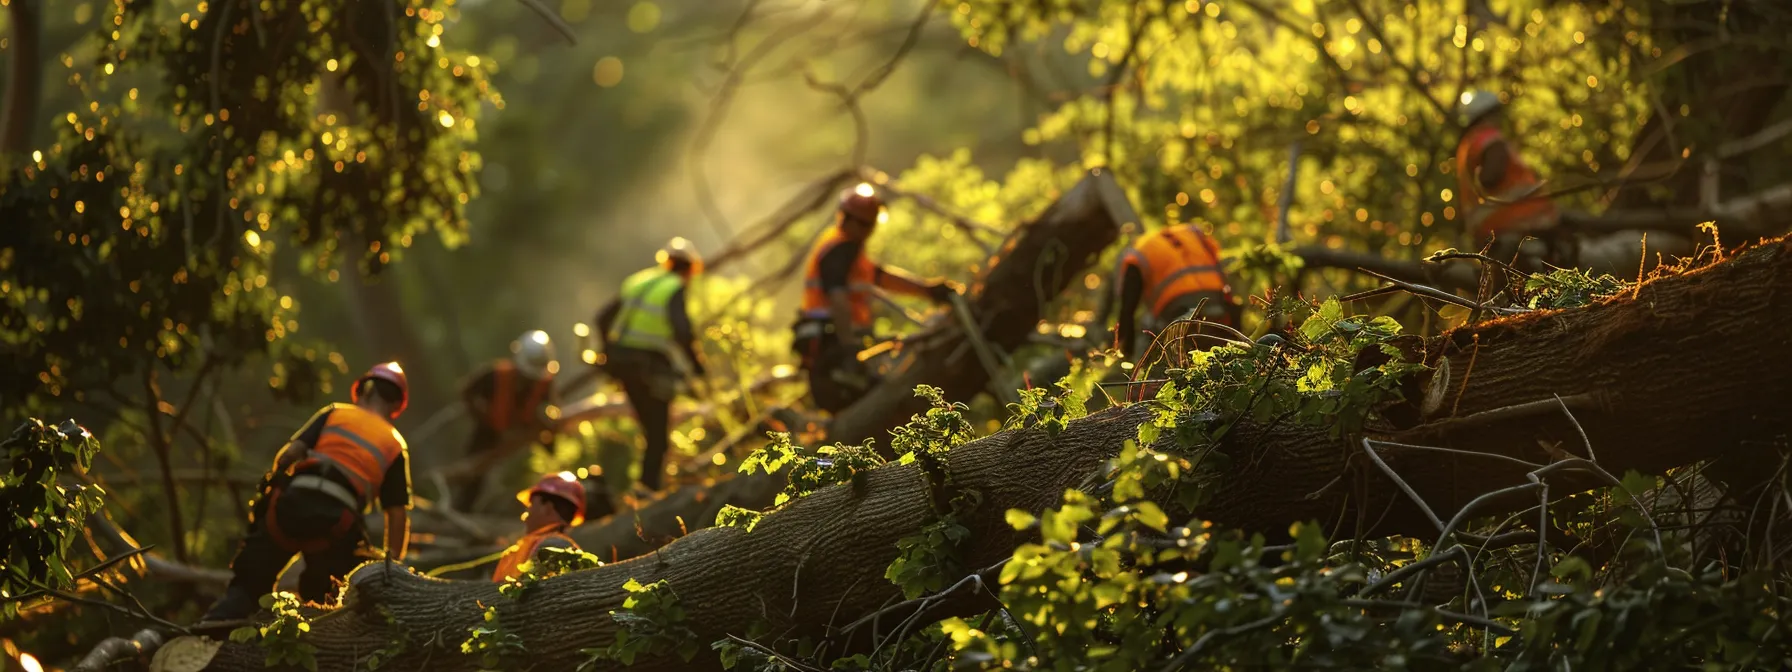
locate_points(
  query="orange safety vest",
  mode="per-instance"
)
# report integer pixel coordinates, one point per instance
(503, 410)
(509, 566)
(1518, 209)
(1175, 262)
(859, 282)
(360, 444)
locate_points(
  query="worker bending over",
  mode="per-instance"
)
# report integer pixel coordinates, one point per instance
(556, 504)
(1171, 272)
(836, 311)
(508, 401)
(312, 501)
(640, 331)
(1502, 198)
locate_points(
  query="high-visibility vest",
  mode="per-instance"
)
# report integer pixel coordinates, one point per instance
(645, 322)
(510, 564)
(1519, 208)
(859, 282)
(360, 444)
(1175, 262)
(504, 409)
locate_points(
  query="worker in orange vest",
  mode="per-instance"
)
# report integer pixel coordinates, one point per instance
(1171, 272)
(508, 401)
(1501, 196)
(556, 504)
(836, 311)
(347, 457)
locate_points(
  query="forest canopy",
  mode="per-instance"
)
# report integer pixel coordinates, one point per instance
(1410, 449)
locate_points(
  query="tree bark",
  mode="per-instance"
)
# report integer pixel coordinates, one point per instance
(24, 81)
(1680, 370)
(1006, 301)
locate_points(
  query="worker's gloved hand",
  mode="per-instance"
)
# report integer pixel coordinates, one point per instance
(942, 292)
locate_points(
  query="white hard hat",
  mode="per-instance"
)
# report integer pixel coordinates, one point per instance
(533, 353)
(1477, 104)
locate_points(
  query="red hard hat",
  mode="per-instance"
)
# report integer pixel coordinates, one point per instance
(390, 372)
(862, 203)
(563, 485)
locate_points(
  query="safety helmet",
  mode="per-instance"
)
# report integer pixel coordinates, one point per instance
(679, 249)
(533, 353)
(862, 203)
(390, 372)
(563, 485)
(1477, 104)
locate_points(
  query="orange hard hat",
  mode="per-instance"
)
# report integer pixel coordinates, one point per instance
(862, 203)
(390, 372)
(563, 485)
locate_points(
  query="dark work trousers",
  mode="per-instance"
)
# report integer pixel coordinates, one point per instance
(650, 382)
(332, 534)
(836, 378)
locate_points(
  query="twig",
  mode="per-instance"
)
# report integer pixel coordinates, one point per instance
(1450, 554)
(1404, 487)
(552, 18)
(1583, 432)
(1182, 659)
(774, 655)
(1455, 616)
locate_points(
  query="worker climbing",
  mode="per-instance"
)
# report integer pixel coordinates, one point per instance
(508, 401)
(836, 321)
(641, 332)
(1171, 272)
(347, 457)
(1502, 198)
(556, 504)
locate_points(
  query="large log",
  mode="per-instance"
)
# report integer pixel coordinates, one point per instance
(1005, 301)
(1683, 369)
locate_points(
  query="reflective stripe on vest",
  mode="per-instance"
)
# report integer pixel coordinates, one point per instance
(1514, 205)
(503, 409)
(645, 322)
(361, 445)
(510, 565)
(1173, 263)
(860, 282)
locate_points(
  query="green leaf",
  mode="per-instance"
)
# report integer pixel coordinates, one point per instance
(1151, 516)
(1021, 520)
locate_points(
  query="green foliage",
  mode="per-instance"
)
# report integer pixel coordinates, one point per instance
(828, 465)
(1570, 288)
(148, 230)
(651, 622)
(43, 516)
(398, 642)
(734, 516)
(492, 642)
(547, 563)
(283, 638)
(1038, 408)
(925, 561)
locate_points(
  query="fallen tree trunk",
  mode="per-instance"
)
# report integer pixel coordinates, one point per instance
(1678, 371)
(1005, 302)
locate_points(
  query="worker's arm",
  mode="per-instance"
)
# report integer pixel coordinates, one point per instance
(395, 497)
(901, 283)
(1132, 287)
(840, 310)
(398, 532)
(299, 446)
(477, 393)
(682, 332)
(834, 271)
(606, 319)
(1494, 160)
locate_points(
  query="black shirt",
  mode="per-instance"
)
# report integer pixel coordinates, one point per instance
(395, 486)
(835, 267)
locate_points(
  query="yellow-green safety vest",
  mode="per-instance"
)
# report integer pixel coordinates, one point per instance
(644, 323)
